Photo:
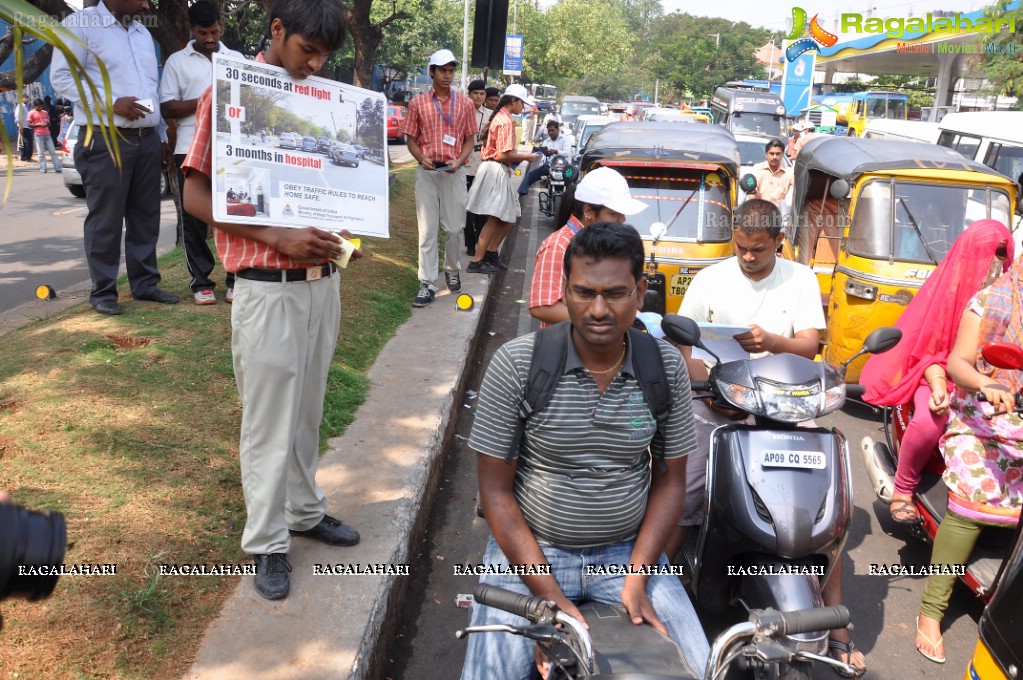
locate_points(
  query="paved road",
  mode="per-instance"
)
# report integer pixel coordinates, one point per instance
(883, 607)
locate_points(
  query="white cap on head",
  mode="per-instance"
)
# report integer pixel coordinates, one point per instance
(608, 188)
(443, 58)
(519, 92)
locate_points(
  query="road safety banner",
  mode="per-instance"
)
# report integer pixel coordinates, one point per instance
(297, 153)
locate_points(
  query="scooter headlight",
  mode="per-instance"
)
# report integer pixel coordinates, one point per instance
(790, 403)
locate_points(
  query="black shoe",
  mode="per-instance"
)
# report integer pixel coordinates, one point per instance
(483, 267)
(424, 296)
(272, 580)
(108, 307)
(161, 296)
(493, 258)
(470, 251)
(454, 282)
(330, 531)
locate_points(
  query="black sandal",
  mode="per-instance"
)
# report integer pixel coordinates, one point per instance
(904, 507)
(837, 646)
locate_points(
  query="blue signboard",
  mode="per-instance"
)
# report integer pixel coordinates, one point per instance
(513, 55)
(797, 80)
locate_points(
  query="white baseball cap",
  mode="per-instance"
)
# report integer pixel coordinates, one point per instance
(443, 58)
(608, 188)
(520, 92)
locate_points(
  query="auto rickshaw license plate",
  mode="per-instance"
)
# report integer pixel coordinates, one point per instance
(680, 284)
(810, 460)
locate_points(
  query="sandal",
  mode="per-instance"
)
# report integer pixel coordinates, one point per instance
(904, 512)
(836, 647)
(934, 645)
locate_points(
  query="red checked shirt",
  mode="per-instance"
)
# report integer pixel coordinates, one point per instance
(501, 136)
(236, 252)
(549, 266)
(430, 119)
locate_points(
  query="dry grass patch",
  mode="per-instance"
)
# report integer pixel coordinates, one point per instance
(129, 425)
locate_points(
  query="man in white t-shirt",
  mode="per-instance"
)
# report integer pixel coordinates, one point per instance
(779, 300)
(555, 144)
(186, 75)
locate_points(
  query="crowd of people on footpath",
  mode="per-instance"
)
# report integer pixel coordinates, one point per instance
(588, 482)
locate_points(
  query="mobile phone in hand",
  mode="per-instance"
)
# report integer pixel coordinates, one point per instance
(146, 104)
(441, 166)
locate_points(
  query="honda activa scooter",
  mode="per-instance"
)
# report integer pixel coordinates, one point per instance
(881, 460)
(779, 496)
(561, 172)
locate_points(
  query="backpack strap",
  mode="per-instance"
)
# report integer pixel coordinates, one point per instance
(652, 379)
(550, 348)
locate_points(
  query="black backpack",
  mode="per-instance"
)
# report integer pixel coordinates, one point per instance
(550, 348)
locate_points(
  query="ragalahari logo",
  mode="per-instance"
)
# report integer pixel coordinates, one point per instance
(807, 36)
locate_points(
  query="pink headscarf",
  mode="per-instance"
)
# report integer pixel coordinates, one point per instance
(931, 321)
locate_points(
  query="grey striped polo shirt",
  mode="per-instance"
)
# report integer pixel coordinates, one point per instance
(583, 472)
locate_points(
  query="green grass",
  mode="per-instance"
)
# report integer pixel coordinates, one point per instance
(129, 426)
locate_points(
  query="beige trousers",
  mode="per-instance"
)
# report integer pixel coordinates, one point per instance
(283, 340)
(440, 204)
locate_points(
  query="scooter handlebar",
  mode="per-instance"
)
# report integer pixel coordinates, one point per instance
(853, 391)
(532, 608)
(803, 620)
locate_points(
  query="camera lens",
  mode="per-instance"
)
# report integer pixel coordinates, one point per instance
(29, 538)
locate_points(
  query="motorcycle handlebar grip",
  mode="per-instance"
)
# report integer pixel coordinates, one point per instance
(526, 606)
(855, 391)
(699, 385)
(805, 620)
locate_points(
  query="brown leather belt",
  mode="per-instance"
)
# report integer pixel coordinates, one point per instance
(289, 275)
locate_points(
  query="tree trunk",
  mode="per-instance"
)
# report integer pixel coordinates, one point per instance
(366, 38)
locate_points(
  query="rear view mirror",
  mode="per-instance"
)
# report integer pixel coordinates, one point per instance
(882, 340)
(681, 330)
(1003, 355)
(839, 189)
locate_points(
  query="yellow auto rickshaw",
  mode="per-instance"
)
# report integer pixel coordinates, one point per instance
(687, 176)
(999, 651)
(873, 218)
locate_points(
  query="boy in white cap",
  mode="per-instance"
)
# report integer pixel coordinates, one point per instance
(440, 127)
(601, 196)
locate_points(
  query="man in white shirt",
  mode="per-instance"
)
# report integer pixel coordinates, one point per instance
(186, 75)
(129, 196)
(554, 145)
(779, 300)
(26, 132)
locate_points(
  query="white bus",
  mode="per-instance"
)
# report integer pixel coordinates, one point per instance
(902, 130)
(995, 138)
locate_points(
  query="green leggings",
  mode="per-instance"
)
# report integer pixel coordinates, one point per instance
(953, 544)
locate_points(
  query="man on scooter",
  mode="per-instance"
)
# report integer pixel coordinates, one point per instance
(555, 144)
(779, 300)
(595, 485)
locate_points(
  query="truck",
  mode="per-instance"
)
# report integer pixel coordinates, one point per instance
(546, 96)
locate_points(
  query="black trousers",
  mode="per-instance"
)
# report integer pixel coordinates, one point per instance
(121, 200)
(198, 255)
(473, 223)
(28, 143)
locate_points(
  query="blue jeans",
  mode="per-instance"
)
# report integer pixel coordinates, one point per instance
(532, 176)
(502, 656)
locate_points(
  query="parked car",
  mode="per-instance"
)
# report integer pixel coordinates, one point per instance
(289, 140)
(68, 171)
(395, 116)
(344, 154)
(323, 145)
(309, 144)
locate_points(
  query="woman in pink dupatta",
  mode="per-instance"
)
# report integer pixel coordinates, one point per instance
(983, 446)
(915, 370)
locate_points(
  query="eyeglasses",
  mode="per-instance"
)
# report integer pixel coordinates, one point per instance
(611, 297)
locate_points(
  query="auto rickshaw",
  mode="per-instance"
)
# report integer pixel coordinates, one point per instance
(687, 176)
(999, 651)
(873, 218)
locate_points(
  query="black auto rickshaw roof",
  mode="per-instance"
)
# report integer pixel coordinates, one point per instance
(663, 141)
(849, 157)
